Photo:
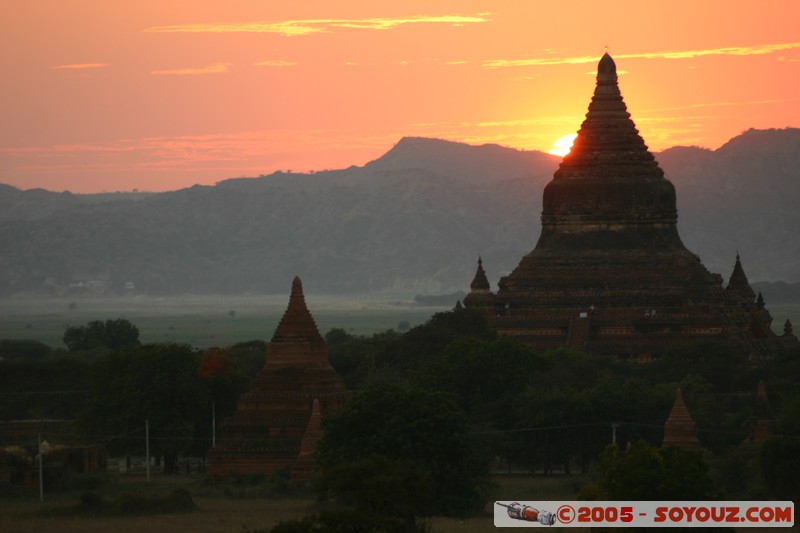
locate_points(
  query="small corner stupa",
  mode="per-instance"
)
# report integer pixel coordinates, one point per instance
(480, 292)
(609, 273)
(277, 424)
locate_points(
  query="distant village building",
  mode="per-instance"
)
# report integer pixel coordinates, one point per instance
(277, 424)
(610, 273)
(19, 450)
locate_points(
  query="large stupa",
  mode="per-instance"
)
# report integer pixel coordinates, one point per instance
(610, 273)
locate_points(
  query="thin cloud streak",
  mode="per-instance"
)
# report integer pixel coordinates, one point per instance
(725, 104)
(293, 28)
(276, 63)
(80, 66)
(685, 54)
(215, 68)
(541, 121)
(209, 157)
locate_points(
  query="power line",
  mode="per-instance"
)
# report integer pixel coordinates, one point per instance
(537, 428)
(32, 393)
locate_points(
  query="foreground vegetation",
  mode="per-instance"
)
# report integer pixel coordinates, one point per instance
(227, 508)
(431, 410)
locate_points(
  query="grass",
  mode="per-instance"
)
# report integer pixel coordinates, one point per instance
(524, 487)
(213, 511)
(216, 513)
(202, 321)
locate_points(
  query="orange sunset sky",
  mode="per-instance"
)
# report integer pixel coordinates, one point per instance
(105, 95)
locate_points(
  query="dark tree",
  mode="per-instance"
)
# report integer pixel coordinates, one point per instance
(423, 430)
(224, 374)
(428, 341)
(112, 334)
(354, 357)
(46, 387)
(337, 336)
(723, 368)
(250, 356)
(158, 383)
(23, 349)
(378, 486)
(486, 377)
(643, 472)
(780, 463)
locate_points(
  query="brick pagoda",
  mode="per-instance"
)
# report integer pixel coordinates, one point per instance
(610, 273)
(679, 428)
(762, 423)
(277, 424)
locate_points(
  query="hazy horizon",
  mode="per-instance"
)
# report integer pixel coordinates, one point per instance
(344, 167)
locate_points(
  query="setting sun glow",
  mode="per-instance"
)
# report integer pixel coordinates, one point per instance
(563, 145)
(204, 91)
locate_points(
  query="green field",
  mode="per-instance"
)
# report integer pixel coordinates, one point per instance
(203, 321)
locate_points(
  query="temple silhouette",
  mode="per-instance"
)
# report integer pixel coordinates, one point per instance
(609, 273)
(277, 423)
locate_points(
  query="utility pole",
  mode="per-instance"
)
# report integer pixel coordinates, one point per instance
(147, 446)
(614, 427)
(213, 424)
(41, 472)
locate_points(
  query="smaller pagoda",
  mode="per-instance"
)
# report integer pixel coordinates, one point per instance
(762, 423)
(277, 423)
(480, 292)
(679, 428)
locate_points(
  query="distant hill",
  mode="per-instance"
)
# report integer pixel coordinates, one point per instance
(412, 221)
(744, 196)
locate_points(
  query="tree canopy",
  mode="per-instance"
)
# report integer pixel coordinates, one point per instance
(780, 463)
(421, 433)
(158, 383)
(112, 334)
(643, 472)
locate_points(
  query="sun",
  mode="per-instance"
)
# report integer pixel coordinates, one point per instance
(563, 145)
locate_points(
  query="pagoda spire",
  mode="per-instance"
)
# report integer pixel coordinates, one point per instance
(480, 292)
(296, 340)
(608, 144)
(297, 324)
(609, 182)
(480, 282)
(738, 281)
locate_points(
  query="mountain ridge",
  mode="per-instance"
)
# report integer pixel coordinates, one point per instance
(413, 221)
